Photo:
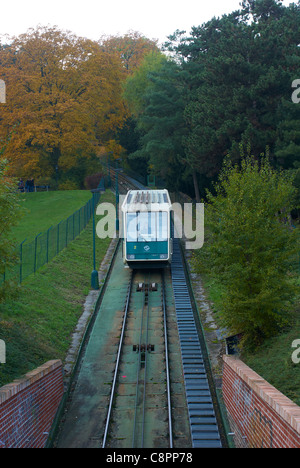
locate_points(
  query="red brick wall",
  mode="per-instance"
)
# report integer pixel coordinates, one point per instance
(260, 416)
(28, 407)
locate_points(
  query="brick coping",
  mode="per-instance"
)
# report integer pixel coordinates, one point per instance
(287, 409)
(9, 390)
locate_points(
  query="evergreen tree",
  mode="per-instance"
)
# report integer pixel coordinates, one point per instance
(244, 64)
(159, 104)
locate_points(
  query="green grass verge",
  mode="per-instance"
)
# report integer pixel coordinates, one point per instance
(37, 324)
(273, 362)
(273, 359)
(46, 209)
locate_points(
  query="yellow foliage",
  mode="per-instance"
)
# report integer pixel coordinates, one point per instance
(64, 100)
(113, 147)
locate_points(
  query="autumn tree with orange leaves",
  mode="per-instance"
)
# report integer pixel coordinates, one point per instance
(132, 48)
(64, 102)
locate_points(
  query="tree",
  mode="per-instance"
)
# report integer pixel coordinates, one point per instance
(250, 247)
(156, 94)
(10, 212)
(244, 64)
(131, 48)
(138, 83)
(65, 95)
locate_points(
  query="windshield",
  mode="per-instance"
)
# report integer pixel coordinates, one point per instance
(147, 226)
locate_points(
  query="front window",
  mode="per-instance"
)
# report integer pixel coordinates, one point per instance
(147, 226)
(131, 227)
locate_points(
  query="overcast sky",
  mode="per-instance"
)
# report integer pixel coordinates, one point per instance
(155, 19)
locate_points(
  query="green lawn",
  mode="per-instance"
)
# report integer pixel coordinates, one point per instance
(273, 359)
(46, 209)
(37, 325)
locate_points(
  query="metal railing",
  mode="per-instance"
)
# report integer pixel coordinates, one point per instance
(46, 245)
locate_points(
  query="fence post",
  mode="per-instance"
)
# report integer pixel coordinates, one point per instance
(57, 246)
(35, 246)
(117, 201)
(21, 260)
(89, 211)
(95, 276)
(47, 256)
(67, 232)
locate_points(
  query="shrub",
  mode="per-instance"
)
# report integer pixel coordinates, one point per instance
(250, 247)
(68, 185)
(92, 181)
(10, 213)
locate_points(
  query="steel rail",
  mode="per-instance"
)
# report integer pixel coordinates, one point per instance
(167, 362)
(145, 368)
(124, 181)
(138, 368)
(117, 362)
(164, 310)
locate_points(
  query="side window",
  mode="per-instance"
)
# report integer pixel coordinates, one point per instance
(162, 226)
(132, 227)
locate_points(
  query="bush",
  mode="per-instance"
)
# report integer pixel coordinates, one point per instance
(10, 213)
(92, 181)
(250, 247)
(68, 185)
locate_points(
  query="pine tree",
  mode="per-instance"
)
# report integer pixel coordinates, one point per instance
(244, 64)
(159, 90)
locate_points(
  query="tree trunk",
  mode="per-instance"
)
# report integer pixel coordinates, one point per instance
(196, 187)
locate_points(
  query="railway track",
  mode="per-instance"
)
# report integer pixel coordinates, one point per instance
(125, 183)
(142, 380)
(141, 395)
(128, 390)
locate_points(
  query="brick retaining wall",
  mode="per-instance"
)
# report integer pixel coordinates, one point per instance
(260, 416)
(28, 407)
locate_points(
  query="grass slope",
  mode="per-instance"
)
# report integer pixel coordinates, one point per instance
(46, 209)
(38, 324)
(273, 359)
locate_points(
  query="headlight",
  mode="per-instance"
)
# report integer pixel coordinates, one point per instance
(163, 256)
(130, 257)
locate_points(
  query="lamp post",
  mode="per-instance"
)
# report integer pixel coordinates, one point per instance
(109, 178)
(94, 277)
(56, 172)
(117, 197)
(117, 202)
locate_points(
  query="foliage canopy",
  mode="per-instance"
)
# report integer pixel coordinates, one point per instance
(233, 85)
(64, 99)
(10, 212)
(251, 245)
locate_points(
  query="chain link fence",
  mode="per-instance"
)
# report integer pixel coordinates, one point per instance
(46, 245)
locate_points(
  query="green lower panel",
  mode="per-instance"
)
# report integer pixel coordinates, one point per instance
(146, 250)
